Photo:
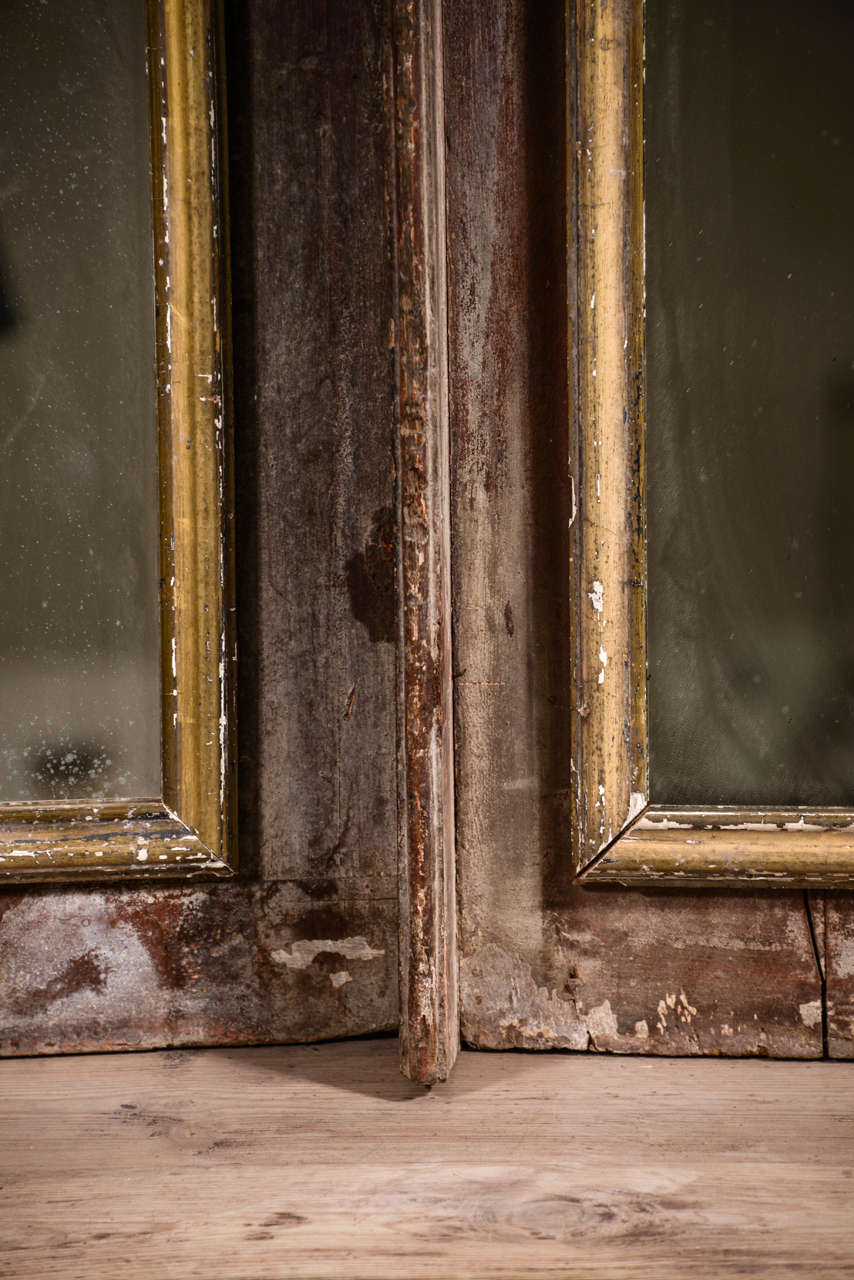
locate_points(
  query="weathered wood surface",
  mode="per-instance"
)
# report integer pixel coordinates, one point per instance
(545, 964)
(304, 944)
(196, 445)
(607, 569)
(812, 848)
(429, 1019)
(836, 912)
(324, 1162)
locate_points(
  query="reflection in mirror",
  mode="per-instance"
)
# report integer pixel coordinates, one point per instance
(749, 131)
(79, 619)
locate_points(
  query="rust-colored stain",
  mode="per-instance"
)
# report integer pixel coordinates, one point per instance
(158, 924)
(314, 397)
(429, 1016)
(83, 973)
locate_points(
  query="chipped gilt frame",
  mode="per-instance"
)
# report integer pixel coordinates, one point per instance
(618, 836)
(188, 830)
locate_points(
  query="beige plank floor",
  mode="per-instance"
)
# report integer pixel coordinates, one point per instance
(322, 1162)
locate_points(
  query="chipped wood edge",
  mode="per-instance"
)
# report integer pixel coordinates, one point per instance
(193, 365)
(608, 546)
(429, 1015)
(138, 840)
(730, 846)
(191, 829)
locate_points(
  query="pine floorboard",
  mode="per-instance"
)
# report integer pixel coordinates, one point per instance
(321, 1161)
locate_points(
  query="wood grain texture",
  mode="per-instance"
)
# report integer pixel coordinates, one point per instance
(429, 1019)
(303, 944)
(544, 963)
(836, 912)
(547, 1166)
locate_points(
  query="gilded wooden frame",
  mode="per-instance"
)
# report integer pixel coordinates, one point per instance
(188, 830)
(618, 836)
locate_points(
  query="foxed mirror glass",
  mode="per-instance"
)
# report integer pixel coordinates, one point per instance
(713, 717)
(749, 191)
(79, 545)
(117, 653)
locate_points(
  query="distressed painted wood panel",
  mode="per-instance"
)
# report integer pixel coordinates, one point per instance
(544, 963)
(429, 1023)
(304, 943)
(837, 914)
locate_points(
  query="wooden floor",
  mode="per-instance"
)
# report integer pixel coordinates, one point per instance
(322, 1162)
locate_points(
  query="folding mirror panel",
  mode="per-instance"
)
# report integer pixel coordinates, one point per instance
(116, 641)
(713, 580)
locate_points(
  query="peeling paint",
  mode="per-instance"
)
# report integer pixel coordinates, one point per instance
(601, 1022)
(302, 953)
(637, 804)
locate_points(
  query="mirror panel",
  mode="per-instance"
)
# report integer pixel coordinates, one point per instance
(749, 130)
(79, 570)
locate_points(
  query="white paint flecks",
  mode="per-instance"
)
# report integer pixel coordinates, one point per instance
(597, 596)
(302, 952)
(688, 1010)
(338, 979)
(676, 1005)
(637, 804)
(642, 1030)
(601, 1022)
(810, 1013)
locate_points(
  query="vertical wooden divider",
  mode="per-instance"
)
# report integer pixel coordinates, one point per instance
(429, 1018)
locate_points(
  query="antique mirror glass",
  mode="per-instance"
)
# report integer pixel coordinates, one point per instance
(749, 190)
(713, 716)
(79, 621)
(117, 651)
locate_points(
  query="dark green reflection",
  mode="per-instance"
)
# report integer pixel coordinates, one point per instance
(750, 375)
(79, 683)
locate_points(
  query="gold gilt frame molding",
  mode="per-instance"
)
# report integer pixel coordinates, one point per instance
(617, 835)
(189, 830)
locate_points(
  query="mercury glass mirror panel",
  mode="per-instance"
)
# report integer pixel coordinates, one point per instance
(79, 625)
(714, 719)
(749, 192)
(116, 650)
